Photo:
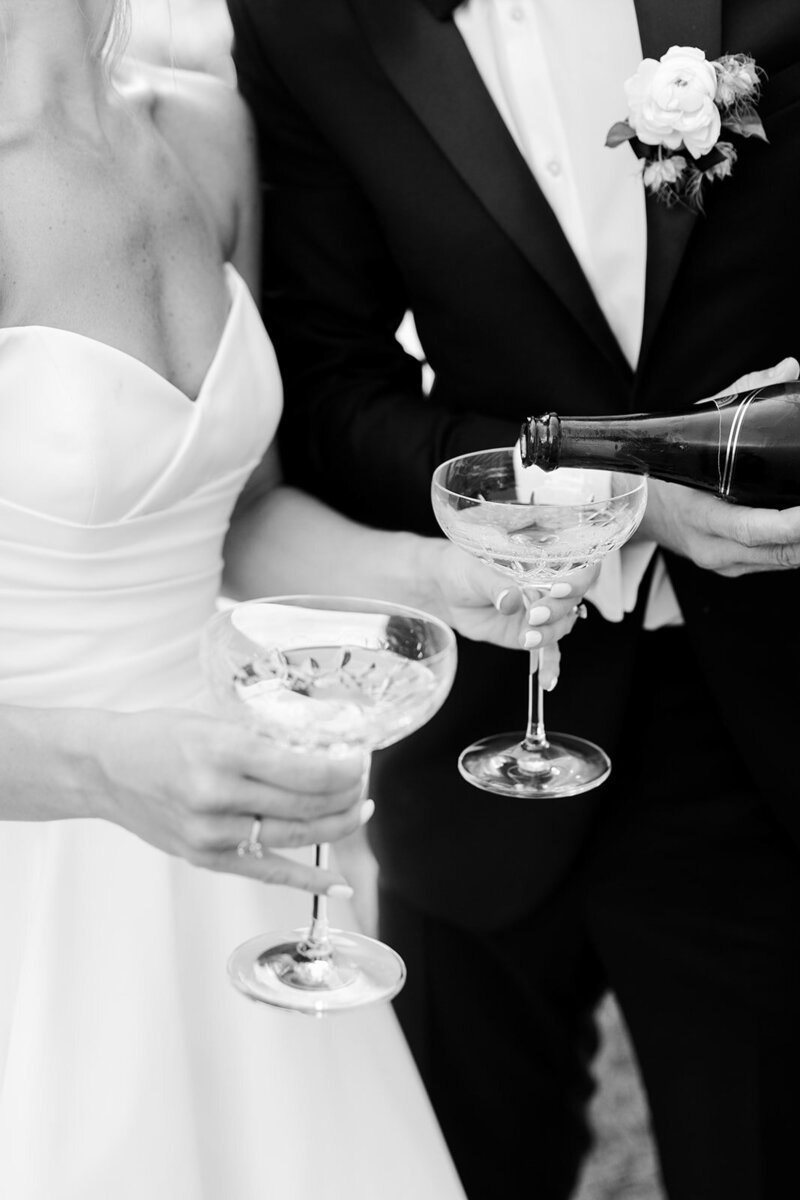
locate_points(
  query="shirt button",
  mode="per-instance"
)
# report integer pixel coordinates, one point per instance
(554, 168)
(517, 13)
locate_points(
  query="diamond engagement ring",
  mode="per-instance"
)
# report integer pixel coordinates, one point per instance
(251, 844)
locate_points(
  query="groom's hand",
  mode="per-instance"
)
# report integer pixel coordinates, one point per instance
(726, 538)
(483, 606)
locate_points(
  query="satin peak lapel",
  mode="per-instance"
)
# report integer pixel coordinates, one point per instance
(427, 61)
(661, 25)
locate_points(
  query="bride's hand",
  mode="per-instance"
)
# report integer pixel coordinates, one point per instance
(191, 785)
(482, 606)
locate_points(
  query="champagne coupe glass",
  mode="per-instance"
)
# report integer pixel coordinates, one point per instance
(322, 675)
(534, 527)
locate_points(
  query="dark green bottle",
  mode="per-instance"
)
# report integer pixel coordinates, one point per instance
(743, 447)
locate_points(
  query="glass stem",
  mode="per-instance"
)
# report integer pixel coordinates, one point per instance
(317, 944)
(535, 736)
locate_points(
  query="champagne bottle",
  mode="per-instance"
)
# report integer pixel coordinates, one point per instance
(744, 447)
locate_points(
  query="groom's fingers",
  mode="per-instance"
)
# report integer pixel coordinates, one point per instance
(555, 613)
(783, 372)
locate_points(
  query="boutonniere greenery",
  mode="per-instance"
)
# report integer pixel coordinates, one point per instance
(678, 108)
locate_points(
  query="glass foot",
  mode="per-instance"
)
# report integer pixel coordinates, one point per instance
(275, 969)
(567, 766)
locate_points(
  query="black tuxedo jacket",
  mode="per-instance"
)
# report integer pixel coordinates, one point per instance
(391, 182)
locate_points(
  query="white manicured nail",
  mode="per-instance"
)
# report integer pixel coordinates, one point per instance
(340, 891)
(499, 598)
(537, 616)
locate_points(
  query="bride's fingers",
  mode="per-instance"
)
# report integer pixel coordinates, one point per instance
(275, 869)
(234, 794)
(307, 775)
(211, 834)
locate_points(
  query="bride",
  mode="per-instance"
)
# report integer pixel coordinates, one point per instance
(139, 395)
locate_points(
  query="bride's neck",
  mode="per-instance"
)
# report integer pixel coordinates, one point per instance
(50, 60)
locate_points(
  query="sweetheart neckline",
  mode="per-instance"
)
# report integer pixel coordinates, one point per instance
(234, 292)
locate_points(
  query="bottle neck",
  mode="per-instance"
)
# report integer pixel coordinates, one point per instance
(635, 442)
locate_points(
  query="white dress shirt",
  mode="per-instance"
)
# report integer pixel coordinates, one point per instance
(557, 81)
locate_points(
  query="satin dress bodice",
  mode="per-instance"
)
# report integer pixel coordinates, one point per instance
(115, 494)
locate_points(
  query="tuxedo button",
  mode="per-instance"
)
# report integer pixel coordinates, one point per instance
(517, 13)
(554, 168)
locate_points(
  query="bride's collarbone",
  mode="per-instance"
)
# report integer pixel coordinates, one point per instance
(167, 310)
(109, 234)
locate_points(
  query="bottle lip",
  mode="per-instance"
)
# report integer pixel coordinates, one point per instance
(538, 440)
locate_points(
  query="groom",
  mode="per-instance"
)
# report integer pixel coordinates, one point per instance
(449, 159)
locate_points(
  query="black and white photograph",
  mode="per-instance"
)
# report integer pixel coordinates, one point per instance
(399, 547)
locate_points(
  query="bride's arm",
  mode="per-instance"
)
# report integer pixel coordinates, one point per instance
(282, 540)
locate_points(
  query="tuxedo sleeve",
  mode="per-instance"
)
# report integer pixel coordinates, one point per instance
(357, 428)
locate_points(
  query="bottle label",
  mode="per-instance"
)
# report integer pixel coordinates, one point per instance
(728, 457)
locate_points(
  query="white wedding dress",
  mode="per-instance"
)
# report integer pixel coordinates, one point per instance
(130, 1069)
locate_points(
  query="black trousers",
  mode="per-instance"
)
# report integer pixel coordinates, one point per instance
(686, 903)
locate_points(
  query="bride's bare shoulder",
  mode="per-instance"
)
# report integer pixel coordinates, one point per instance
(188, 103)
(207, 126)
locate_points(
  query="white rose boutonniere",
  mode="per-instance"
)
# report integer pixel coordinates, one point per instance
(678, 107)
